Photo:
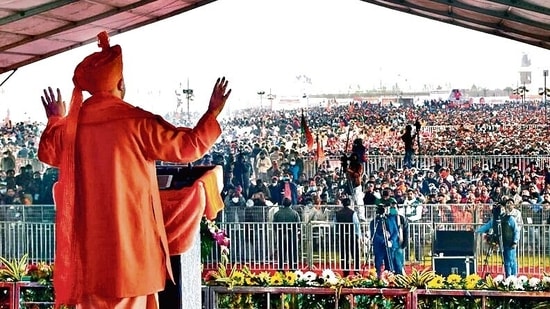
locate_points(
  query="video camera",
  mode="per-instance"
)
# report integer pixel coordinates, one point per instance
(417, 125)
(380, 210)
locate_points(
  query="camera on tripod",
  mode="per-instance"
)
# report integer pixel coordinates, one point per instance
(381, 210)
(494, 238)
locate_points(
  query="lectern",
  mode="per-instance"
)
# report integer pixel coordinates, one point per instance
(187, 193)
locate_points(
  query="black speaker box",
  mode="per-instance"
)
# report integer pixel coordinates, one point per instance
(460, 265)
(454, 243)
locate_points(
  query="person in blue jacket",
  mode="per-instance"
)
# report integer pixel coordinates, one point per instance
(385, 239)
(509, 232)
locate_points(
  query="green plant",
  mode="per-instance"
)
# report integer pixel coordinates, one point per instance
(15, 269)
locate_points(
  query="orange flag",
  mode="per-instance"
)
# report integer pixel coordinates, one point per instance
(306, 132)
(320, 153)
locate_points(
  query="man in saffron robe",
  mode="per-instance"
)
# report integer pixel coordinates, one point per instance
(111, 242)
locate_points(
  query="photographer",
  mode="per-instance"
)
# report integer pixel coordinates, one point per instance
(503, 228)
(408, 139)
(354, 174)
(359, 149)
(385, 238)
(403, 238)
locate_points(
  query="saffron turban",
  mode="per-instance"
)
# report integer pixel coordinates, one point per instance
(100, 71)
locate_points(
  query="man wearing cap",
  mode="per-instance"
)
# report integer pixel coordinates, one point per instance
(112, 248)
(509, 234)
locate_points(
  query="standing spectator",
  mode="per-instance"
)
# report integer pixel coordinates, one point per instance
(23, 179)
(10, 179)
(10, 197)
(316, 212)
(260, 187)
(287, 221)
(263, 165)
(350, 237)
(354, 175)
(274, 190)
(242, 171)
(408, 140)
(314, 216)
(413, 212)
(369, 198)
(35, 188)
(294, 170)
(8, 161)
(287, 189)
(26, 200)
(253, 158)
(463, 219)
(386, 200)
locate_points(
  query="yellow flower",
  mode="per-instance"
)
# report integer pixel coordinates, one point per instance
(372, 273)
(290, 277)
(250, 281)
(237, 278)
(277, 279)
(436, 282)
(472, 281)
(454, 279)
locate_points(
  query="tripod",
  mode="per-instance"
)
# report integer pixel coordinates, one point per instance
(381, 219)
(495, 243)
(498, 224)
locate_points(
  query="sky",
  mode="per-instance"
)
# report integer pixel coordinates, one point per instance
(263, 45)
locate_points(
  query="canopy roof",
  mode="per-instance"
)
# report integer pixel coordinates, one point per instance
(31, 30)
(526, 21)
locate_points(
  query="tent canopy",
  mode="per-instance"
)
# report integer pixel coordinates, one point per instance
(31, 30)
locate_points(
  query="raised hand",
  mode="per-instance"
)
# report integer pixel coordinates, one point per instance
(53, 106)
(219, 96)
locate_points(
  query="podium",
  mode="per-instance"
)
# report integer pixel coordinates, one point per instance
(197, 186)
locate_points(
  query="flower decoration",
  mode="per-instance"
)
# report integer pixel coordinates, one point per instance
(212, 235)
(41, 272)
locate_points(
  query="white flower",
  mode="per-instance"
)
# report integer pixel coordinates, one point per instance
(545, 280)
(510, 281)
(309, 276)
(534, 282)
(523, 279)
(498, 279)
(518, 285)
(299, 274)
(333, 280)
(328, 274)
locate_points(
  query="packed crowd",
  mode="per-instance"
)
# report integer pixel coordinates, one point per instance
(265, 157)
(23, 178)
(499, 129)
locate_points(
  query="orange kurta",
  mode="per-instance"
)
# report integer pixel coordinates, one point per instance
(118, 221)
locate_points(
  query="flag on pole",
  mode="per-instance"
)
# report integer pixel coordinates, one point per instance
(320, 152)
(306, 132)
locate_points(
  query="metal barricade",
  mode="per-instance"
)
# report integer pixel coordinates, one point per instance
(319, 244)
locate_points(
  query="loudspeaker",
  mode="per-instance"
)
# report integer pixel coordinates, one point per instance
(460, 265)
(454, 243)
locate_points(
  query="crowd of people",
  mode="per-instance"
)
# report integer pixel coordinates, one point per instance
(264, 158)
(264, 153)
(23, 178)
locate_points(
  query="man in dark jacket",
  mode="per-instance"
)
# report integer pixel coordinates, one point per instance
(286, 224)
(349, 231)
